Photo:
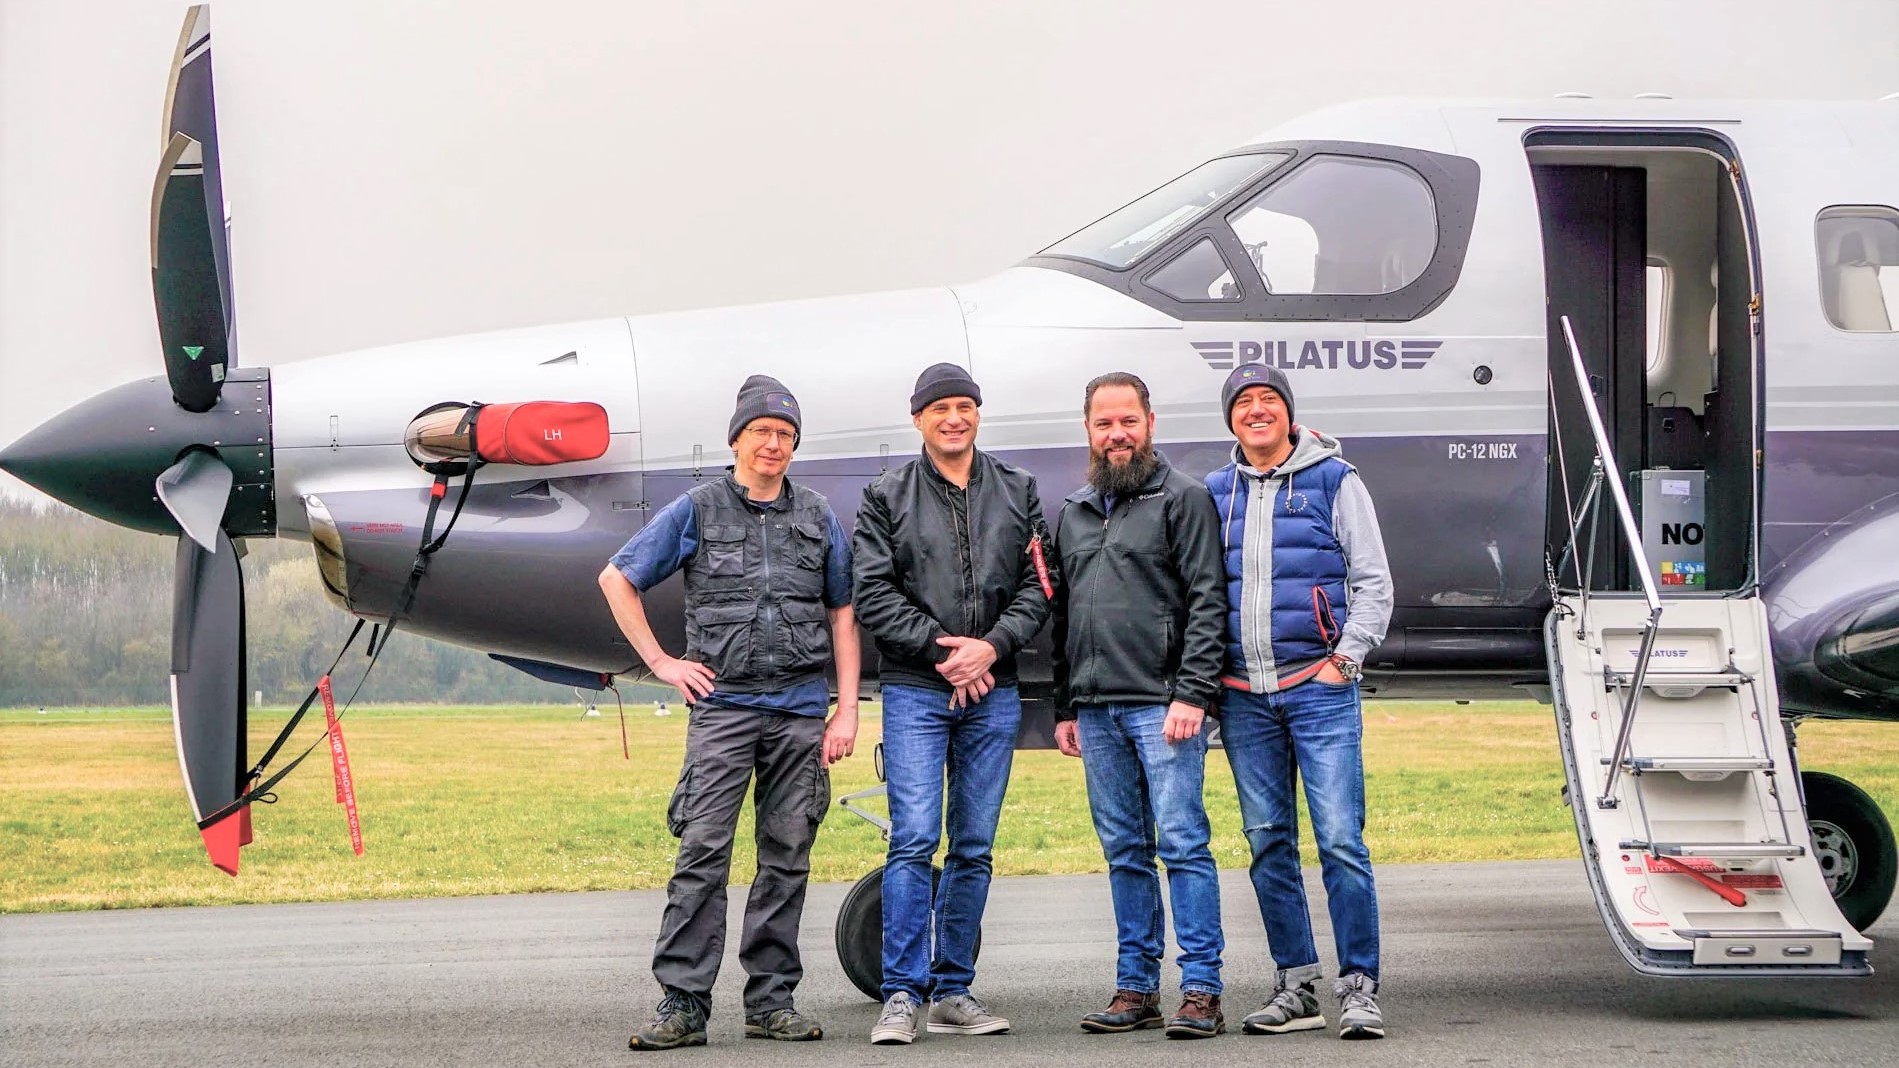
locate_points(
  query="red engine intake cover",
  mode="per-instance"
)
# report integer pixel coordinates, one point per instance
(538, 433)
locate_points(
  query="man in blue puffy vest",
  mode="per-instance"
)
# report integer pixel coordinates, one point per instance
(1309, 595)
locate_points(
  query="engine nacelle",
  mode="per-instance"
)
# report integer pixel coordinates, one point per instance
(1834, 609)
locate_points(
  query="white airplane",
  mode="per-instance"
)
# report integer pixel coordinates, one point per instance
(1687, 566)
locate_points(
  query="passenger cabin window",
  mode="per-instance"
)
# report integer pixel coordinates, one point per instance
(1656, 282)
(1858, 249)
(1340, 224)
(1199, 272)
(1124, 236)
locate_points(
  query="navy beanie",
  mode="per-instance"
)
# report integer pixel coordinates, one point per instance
(1247, 375)
(941, 380)
(761, 397)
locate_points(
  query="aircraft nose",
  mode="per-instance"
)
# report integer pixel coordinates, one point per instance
(103, 455)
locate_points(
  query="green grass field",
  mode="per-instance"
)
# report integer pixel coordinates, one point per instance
(489, 800)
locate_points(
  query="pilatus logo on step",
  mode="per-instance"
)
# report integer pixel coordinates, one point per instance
(1409, 354)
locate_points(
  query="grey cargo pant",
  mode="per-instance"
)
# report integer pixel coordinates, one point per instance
(723, 748)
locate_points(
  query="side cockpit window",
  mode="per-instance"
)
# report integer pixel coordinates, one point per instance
(1197, 273)
(1288, 231)
(1122, 237)
(1858, 250)
(1340, 224)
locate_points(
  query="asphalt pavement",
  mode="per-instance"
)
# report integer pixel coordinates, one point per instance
(1503, 964)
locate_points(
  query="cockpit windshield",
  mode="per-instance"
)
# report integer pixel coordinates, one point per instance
(1124, 236)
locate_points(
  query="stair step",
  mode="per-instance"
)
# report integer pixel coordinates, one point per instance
(1773, 946)
(1720, 850)
(1657, 679)
(1694, 763)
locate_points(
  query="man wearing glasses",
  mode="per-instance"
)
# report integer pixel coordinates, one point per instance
(768, 606)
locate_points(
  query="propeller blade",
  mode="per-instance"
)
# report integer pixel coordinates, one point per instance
(195, 490)
(191, 268)
(185, 282)
(207, 691)
(191, 109)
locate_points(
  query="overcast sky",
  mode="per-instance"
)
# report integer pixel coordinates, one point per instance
(399, 169)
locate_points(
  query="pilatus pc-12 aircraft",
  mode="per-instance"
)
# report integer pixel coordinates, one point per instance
(1622, 376)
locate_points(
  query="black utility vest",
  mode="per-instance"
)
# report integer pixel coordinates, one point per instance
(755, 589)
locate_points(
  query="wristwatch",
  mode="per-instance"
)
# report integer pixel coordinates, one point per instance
(1347, 667)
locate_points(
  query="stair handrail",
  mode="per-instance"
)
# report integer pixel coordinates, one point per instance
(1612, 476)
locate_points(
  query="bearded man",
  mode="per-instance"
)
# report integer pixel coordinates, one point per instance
(1140, 625)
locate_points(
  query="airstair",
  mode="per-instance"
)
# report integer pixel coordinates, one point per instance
(1681, 776)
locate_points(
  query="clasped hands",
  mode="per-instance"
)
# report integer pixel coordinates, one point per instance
(967, 669)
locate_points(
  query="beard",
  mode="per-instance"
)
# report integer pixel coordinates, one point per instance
(1121, 480)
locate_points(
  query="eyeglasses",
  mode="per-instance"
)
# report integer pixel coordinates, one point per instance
(761, 434)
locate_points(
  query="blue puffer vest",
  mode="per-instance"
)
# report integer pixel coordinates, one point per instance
(1305, 556)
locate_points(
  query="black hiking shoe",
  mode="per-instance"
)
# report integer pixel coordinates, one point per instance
(783, 1025)
(679, 1022)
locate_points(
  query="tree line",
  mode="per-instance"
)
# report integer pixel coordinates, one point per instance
(85, 620)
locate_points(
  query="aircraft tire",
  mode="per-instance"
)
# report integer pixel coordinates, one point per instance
(1854, 844)
(860, 932)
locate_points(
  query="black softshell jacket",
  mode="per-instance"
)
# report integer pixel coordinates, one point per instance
(1140, 616)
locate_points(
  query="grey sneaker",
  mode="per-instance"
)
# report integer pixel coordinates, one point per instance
(679, 1022)
(898, 1024)
(784, 1025)
(963, 1014)
(1291, 1008)
(1358, 1007)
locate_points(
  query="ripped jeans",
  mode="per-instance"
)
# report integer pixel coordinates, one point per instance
(1274, 740)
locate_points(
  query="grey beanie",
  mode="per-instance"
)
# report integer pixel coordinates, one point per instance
(762, 397)
(1247, 375)
(941, 380)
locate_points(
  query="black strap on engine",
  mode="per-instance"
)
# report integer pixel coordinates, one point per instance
(261, 792)
(297, 716)
(432, 542)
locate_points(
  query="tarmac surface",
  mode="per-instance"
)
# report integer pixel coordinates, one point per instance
(1503, 964)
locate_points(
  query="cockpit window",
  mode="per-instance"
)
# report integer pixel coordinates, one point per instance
(1198, 272)
(1124, 236)
(1340, 224)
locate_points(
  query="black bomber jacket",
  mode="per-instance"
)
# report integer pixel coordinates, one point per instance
(915, 554)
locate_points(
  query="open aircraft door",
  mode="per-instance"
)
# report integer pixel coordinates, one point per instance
(1681, 774)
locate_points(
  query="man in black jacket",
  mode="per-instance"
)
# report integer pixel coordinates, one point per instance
(946, 585)
(1140, 626)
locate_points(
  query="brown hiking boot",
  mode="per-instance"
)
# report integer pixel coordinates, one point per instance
(1199, 1016)
(1130, 1010)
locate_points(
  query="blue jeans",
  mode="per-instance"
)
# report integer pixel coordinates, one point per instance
(1310, 732)
(1145, 794)
(924, 737)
